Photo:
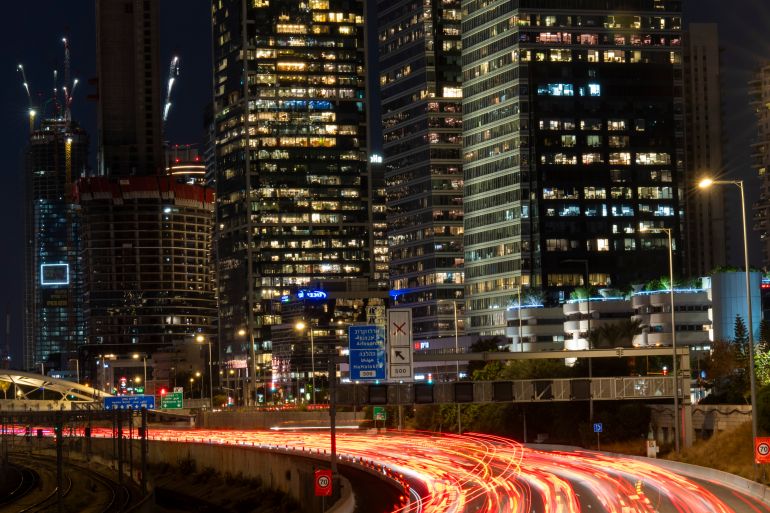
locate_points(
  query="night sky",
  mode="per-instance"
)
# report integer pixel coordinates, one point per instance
(32, 35)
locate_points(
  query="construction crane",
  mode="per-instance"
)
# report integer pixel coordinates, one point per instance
(173, 73)
(66, 88)
(32, 111)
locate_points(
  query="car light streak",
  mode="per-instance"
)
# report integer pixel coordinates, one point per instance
(482, 473)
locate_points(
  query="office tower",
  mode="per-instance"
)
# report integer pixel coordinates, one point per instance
(573, 140)
(759, 91)
(56, 156)
(421, 95)
(297, 209)
(705, 232)
(128, 74)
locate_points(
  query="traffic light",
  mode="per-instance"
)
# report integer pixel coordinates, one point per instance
(163, 391)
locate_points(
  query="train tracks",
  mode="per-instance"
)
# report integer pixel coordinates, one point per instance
(84, 490)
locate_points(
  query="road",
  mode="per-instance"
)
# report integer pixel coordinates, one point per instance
(476, 473)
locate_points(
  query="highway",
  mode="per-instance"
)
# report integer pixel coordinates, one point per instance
(482, 473)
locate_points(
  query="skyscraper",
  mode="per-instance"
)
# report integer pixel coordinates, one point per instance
(573, 132)
(56, 156)
(421, 95)
(146, 230)
(128, 72)
(759, 90)
(297, 209)
(705, 210)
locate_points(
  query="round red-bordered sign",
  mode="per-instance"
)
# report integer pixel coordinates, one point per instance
(323, 482)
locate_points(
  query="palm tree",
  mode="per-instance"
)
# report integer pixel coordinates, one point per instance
(616, 334)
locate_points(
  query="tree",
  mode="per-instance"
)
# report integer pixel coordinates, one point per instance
(484, 345)
(764, 332)
(741, 341)
(616, 334)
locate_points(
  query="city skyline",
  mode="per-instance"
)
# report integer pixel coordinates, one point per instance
(741, 47)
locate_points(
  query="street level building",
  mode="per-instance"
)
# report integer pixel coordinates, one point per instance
(56, 156)
(573, 139)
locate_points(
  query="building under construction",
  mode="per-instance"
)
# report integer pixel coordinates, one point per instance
(57, 155)
(146, 246)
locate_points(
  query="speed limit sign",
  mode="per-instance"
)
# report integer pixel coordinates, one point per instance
(762, 449)
(323, 483)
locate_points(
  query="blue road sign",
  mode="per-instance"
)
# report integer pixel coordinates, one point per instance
(129, 402)
(367, 352)
(598, 427)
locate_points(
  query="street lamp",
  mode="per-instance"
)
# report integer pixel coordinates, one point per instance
(198, 375)
(668, 232)
(457, 355)
(135, 356)
(202, 340)
(77, 369)
(705, 184)
(300, 326)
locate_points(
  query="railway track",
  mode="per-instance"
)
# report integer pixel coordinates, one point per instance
(84, 490)
(28, 479)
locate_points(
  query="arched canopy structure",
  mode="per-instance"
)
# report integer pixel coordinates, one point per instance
(27, 382)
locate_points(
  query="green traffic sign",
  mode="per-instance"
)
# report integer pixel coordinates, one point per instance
(380, 413)
(172, 401)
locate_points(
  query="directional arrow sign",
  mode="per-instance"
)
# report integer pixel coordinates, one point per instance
(400, 355)
(400, 344)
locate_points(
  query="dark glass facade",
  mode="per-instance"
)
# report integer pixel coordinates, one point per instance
(421, 95)
(296, 206)
(56, 156)
(573, 141)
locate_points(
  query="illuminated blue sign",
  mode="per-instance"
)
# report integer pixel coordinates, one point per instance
(311, 294)
(52, 275)
(285, 299)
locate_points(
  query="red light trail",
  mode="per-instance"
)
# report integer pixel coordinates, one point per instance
(483, 473)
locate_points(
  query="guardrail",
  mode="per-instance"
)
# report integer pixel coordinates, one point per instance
(518, 391)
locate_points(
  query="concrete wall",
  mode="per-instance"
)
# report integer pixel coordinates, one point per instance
(268, 419)
(287, 473)
(707, 419)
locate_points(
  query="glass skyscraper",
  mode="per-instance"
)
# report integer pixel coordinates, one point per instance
(573, 140)
(421, 95)
(293, 196)
(57, 155)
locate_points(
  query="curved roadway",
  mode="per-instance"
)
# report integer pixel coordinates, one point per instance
(484, 473)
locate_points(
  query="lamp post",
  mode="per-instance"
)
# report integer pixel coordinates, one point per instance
(301, 326)
(704, 184)
(135, 356)
(675, 369)
(457, 356)
(202, 340)
(77, 369)
(588, 330)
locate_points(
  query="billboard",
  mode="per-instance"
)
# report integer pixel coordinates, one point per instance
(52, 275)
